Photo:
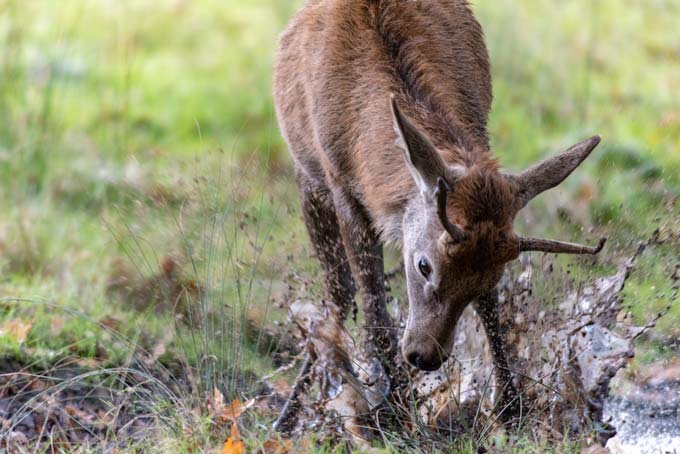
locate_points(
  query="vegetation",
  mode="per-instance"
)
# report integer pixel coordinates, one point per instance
(148, 214)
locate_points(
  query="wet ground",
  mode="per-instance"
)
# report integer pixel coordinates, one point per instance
(647, 413)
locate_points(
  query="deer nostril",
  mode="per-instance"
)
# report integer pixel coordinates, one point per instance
(429, 366)
(413, 358)
(422, 363)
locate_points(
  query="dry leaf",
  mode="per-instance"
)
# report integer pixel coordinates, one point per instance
(159, 349)
(275, 446)
(227, 412)
(111, 323)
(280, 386)
(232, 411)
(16, 329)
(56, 325)
(234, 445)
(216, 404)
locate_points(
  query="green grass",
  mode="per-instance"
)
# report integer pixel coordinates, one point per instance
(133, 131)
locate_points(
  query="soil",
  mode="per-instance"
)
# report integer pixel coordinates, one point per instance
(74, 405)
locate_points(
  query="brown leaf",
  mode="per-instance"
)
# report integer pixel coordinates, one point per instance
(232, 411)
(227, 412)
(277, 446)
(158, 350)
(111, 323)
(56, 325)
(87, 363)
(234, 445)
(216, 404)
(16, 329)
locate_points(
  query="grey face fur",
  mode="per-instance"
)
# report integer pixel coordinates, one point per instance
(452, 260)
(439, 283)
(432, 313)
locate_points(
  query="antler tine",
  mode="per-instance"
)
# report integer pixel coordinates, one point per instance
(558, 247)
(443, 188)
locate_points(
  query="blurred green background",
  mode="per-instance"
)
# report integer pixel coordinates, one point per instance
(135, 134)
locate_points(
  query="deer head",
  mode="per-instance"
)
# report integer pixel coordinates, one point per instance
(458, 235)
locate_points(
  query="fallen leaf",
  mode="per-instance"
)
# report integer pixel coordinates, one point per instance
(158, 350)
(16, 329)
(234, 445)
(216, 406)
(87, 363)
(280, 386)
(227, 412)
(232, 411)
(56, 325)
(275, 446)
(111, 323)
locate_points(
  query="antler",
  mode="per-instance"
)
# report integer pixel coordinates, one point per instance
(552, 171)
(548, 174)
(558, 247)
(443, 188)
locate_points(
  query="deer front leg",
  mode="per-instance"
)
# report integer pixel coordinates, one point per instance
(509, 403)
(365, 254)
(324, 232)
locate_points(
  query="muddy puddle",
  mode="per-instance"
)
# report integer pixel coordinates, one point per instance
(569, 351)
(646, 412)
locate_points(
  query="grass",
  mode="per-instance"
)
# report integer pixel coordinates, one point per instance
(131, 132)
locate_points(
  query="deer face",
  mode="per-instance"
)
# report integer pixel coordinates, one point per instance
(458, 236)
(443, 275)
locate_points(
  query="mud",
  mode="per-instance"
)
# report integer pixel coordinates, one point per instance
(565, 347)
(646, 412)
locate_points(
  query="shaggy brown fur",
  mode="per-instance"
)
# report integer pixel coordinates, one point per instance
(383, 103)
(339, 62)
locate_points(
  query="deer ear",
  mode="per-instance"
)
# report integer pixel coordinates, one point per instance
(422, 159)
(551, 172)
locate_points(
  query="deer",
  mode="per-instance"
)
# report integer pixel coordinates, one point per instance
(384, 107)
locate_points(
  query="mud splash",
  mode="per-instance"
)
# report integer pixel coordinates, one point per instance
(563, 357)
(563, 353)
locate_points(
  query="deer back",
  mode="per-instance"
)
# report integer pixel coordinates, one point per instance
(338, 62)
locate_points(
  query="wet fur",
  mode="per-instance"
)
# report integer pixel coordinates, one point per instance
(339, 63)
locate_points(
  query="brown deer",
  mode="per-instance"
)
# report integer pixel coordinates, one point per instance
(384, 106)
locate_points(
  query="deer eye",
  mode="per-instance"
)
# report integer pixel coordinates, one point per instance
(424, 268)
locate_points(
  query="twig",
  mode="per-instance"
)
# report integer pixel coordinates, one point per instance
(287, 421)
